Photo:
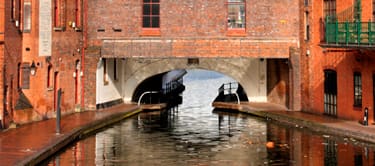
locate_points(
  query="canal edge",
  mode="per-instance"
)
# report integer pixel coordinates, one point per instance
(76, 134)
(313, 126)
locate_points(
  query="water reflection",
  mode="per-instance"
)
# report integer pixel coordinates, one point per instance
(193, 134)
(234, 140)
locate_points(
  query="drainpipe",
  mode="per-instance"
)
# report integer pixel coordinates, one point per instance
(85, 28)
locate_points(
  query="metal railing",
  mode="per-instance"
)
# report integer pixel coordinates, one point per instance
(350, 33)
(145, 93)
(229, 89)
(173, 85)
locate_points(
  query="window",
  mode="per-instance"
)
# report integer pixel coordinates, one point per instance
(26, 16)
(78, 13)
(373, 10)
(329, 8)
(357, 89)
(151, 14)
(307, 26)
(49, 76)
(306, 2)
(236, 14)
(59, 14)
(25, 78)
(330, 92)
(13, 10)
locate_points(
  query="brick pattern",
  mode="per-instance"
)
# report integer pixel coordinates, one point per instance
(344, 61)
(193, 18)
(217, 47)
(22, 47)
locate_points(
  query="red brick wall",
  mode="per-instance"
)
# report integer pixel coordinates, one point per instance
(196, 28)
(11, 56)
(344, 61)
(198, 18)
(24, 48)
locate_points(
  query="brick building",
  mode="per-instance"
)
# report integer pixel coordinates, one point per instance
(337, 57)
(98, 52)
(168, 31)
(41, 52)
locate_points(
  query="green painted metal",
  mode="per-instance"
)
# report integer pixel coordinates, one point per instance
(355, 32)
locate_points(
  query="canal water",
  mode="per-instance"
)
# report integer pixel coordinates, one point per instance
(195, 134)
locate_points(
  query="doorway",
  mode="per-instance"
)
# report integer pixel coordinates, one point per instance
(330, 92)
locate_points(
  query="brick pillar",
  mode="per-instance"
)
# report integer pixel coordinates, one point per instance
(91, 60)
(295, 79)
(2, 75)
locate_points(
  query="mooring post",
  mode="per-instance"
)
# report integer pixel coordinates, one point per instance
(58, 112)
(365, 117)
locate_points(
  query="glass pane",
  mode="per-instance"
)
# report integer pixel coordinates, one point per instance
(146, 0)
(146, 9)
(146, 21)
(155, 21)
(155, 0)
(155, 9)
(236, 16)
(27, 17)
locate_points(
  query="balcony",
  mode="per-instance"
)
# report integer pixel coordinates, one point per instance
(349, 34)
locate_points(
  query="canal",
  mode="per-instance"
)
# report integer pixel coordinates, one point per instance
(195, 134)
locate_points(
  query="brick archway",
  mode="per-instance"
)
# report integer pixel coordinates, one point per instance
(249, 72)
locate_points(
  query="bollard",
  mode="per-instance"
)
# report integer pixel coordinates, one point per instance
(58, 112)
(365, 117)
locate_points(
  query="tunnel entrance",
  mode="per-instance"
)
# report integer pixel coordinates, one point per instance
(168, 87)
(161, 88)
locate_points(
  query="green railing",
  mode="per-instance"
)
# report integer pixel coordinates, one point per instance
(349, 33)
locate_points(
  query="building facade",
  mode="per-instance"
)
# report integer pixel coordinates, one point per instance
(337, 58)
(41, 53)
(99, 52)
(248, 40)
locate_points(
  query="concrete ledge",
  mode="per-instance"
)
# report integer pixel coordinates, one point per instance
(226, 105)
(153, 106)
(109, 104)
(316, 123)
(75, 134)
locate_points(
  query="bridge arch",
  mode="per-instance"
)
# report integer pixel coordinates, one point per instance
(249, 72)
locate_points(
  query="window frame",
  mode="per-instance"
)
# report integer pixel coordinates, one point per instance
(13, 10)
(329, 8)
(357, 89)
(150, 31)
(59, 15)
(236, 31)
(49, 76)
(307, 26)
(27, 17)
(78, 11)
(25, 75)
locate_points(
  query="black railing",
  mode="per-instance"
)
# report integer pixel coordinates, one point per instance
(174, 86)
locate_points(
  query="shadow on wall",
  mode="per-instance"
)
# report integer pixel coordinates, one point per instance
(278, 81)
